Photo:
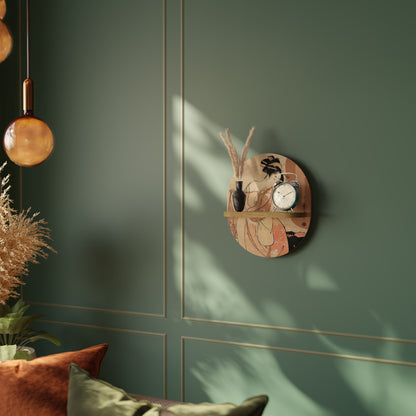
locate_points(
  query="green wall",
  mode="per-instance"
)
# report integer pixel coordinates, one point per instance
(135, 190)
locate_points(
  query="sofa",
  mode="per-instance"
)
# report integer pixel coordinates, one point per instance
(67, 384)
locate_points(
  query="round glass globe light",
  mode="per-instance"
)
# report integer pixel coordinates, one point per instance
(2, 8)
(28, 141)
(6, 41)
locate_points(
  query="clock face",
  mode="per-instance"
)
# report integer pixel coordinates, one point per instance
(284, 196)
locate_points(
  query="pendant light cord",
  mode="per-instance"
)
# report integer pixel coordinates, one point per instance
(27, 41)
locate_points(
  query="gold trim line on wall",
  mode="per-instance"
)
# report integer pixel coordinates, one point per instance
(182, 144)
(91, 308)
(127, 331)
(281, 349)
(106, 328)
(302, 351)
(164, 139)
(243, 324)
(304, 331)
(164, 191)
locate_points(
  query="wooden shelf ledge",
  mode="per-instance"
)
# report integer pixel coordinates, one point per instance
(264, 214)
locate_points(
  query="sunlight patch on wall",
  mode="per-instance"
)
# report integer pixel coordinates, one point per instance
(211, 293)
(383, 389)
(388, 329)
(318, 279)
(206, 157)
(254, 372)
(382, 350)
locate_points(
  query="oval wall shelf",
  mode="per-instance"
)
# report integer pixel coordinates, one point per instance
(259, 228)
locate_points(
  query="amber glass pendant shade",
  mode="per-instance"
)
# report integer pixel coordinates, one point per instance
(2, 8)
(28, 141)
(6, 41)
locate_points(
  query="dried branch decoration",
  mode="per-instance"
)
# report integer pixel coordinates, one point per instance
(22, 241)
(238, 165)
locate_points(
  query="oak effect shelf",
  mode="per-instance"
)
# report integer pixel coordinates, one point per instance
(264, 214)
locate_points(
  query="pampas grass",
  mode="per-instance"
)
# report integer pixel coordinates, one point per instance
(238, 164)
(23, 240)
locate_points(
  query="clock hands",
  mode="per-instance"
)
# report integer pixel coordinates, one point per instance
(285, 194)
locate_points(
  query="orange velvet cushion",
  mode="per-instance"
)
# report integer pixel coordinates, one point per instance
(40, 387)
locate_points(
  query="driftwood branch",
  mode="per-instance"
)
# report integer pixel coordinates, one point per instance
(245, 150)
(231, 151)
(238, 165)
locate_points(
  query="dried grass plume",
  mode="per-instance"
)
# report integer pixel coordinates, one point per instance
(238, 164)
(23, 239)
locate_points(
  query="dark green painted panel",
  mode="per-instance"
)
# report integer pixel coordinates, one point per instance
(98, 71)
(296, 383)
(134, 361)
(329, 85)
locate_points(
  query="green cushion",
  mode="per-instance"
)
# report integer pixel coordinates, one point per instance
(253, 406)
(88, 396)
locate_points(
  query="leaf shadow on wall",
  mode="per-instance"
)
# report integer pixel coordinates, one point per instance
(223, 283)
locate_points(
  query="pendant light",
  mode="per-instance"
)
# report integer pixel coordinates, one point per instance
(28, 141)
(6, 41)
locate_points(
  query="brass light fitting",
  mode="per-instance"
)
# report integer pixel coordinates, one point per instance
(28, 141)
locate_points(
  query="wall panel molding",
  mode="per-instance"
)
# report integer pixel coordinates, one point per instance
(305, 331)
(163, 314)
(281, 349)
(161, 335)
(301, 351)
(183, 253)
(90, 308)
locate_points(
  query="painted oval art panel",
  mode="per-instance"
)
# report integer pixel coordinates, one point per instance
(270, 236)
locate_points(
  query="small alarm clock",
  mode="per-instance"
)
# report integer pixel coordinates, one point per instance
(285, 194)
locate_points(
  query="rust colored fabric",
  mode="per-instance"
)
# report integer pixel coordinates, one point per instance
(40, 387)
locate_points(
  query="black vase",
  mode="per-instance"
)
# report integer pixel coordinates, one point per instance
(239, 196)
